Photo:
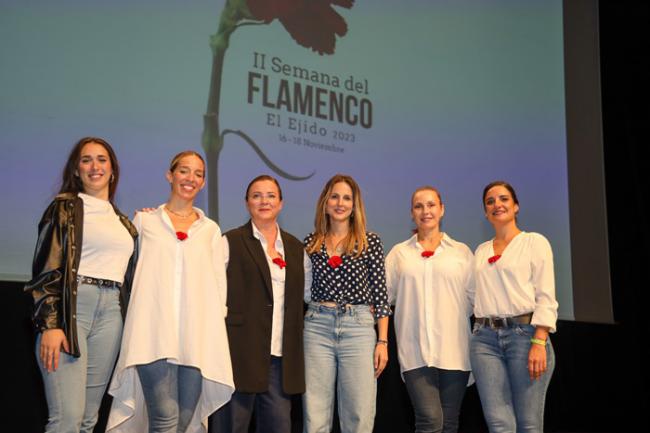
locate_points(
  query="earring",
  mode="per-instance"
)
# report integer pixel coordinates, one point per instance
(112, 178)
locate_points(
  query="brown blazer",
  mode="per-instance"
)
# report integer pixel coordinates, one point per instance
(250, 312)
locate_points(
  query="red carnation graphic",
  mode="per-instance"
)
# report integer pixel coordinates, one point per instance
(426, 254)
(181, 236)
(281, 263)
(314, 24)
(311, 23)
(335, 262)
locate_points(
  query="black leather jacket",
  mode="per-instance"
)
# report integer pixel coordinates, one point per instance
(56, 260)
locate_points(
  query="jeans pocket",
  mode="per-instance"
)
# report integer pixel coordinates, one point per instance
(476, 328)
(525, 330)
(309, 315)
(364, 318)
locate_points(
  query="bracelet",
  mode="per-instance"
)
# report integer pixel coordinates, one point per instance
(538, 341)
(384, 342)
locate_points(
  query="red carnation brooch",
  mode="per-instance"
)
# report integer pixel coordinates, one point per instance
(493, 259)
(181, 236)
(281, 263)
(335, 261)
(426, 254)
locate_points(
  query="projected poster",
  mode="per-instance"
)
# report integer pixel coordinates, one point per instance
(448, 93)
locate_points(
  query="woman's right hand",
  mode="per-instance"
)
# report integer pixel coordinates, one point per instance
(52, 341)
(145, 210)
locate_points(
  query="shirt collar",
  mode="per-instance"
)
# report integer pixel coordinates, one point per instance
(413, 241)
(257, 234)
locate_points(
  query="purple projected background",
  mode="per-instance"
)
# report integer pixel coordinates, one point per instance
(462, 93)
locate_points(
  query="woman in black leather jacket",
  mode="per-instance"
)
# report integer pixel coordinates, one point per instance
(81, 277)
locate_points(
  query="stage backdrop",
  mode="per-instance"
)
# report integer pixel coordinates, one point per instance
(449, 93)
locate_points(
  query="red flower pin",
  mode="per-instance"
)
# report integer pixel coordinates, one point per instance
(181, 236)
(278, 261)
(493, 259)
(426, 254)
(335, 261)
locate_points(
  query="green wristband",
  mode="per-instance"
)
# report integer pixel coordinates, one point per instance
(538, 341)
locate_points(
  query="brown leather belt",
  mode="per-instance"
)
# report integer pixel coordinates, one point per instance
(505, 322)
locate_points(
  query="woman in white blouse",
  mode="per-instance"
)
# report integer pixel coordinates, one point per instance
(175, 357)
(515, 308)
(429, 279)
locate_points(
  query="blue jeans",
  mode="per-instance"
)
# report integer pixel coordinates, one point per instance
(339, 354)
(511, 401)
(74, 391)
(436, 396)
(171, 393)
(272, 408)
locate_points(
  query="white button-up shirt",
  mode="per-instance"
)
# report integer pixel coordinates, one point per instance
(176, 312)
(277, 281)
(521, 281)
(433, 301)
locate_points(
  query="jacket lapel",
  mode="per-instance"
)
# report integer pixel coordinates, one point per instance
(254, 247)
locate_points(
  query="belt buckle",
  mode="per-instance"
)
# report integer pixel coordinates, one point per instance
(498, 322)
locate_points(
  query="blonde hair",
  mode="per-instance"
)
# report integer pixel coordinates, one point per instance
(356, 241)
(426, 188)
(177, 158)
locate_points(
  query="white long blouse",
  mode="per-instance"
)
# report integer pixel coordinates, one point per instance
(176, 312)
(521, 281)
(433, 301)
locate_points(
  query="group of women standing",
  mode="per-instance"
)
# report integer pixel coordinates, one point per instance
(215, 323)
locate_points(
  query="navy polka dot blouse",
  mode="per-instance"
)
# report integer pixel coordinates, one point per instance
(356, 281)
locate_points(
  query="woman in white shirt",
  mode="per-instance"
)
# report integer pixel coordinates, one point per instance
(515, 308)
(175, 357)
(429, 279)
(82, 272)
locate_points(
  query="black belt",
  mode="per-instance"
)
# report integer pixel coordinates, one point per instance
(82, 279)
(505, 322)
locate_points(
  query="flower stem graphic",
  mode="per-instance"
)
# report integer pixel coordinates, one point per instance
(293, 14)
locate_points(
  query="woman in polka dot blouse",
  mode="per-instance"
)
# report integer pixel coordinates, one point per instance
(348, 293)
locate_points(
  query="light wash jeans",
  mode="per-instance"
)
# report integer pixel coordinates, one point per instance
(511, 401)
(436, 396)
(171, 393)
(339, 350)
(74, 391)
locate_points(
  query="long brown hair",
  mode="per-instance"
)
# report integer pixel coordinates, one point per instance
(72, 183)
(357, 235)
